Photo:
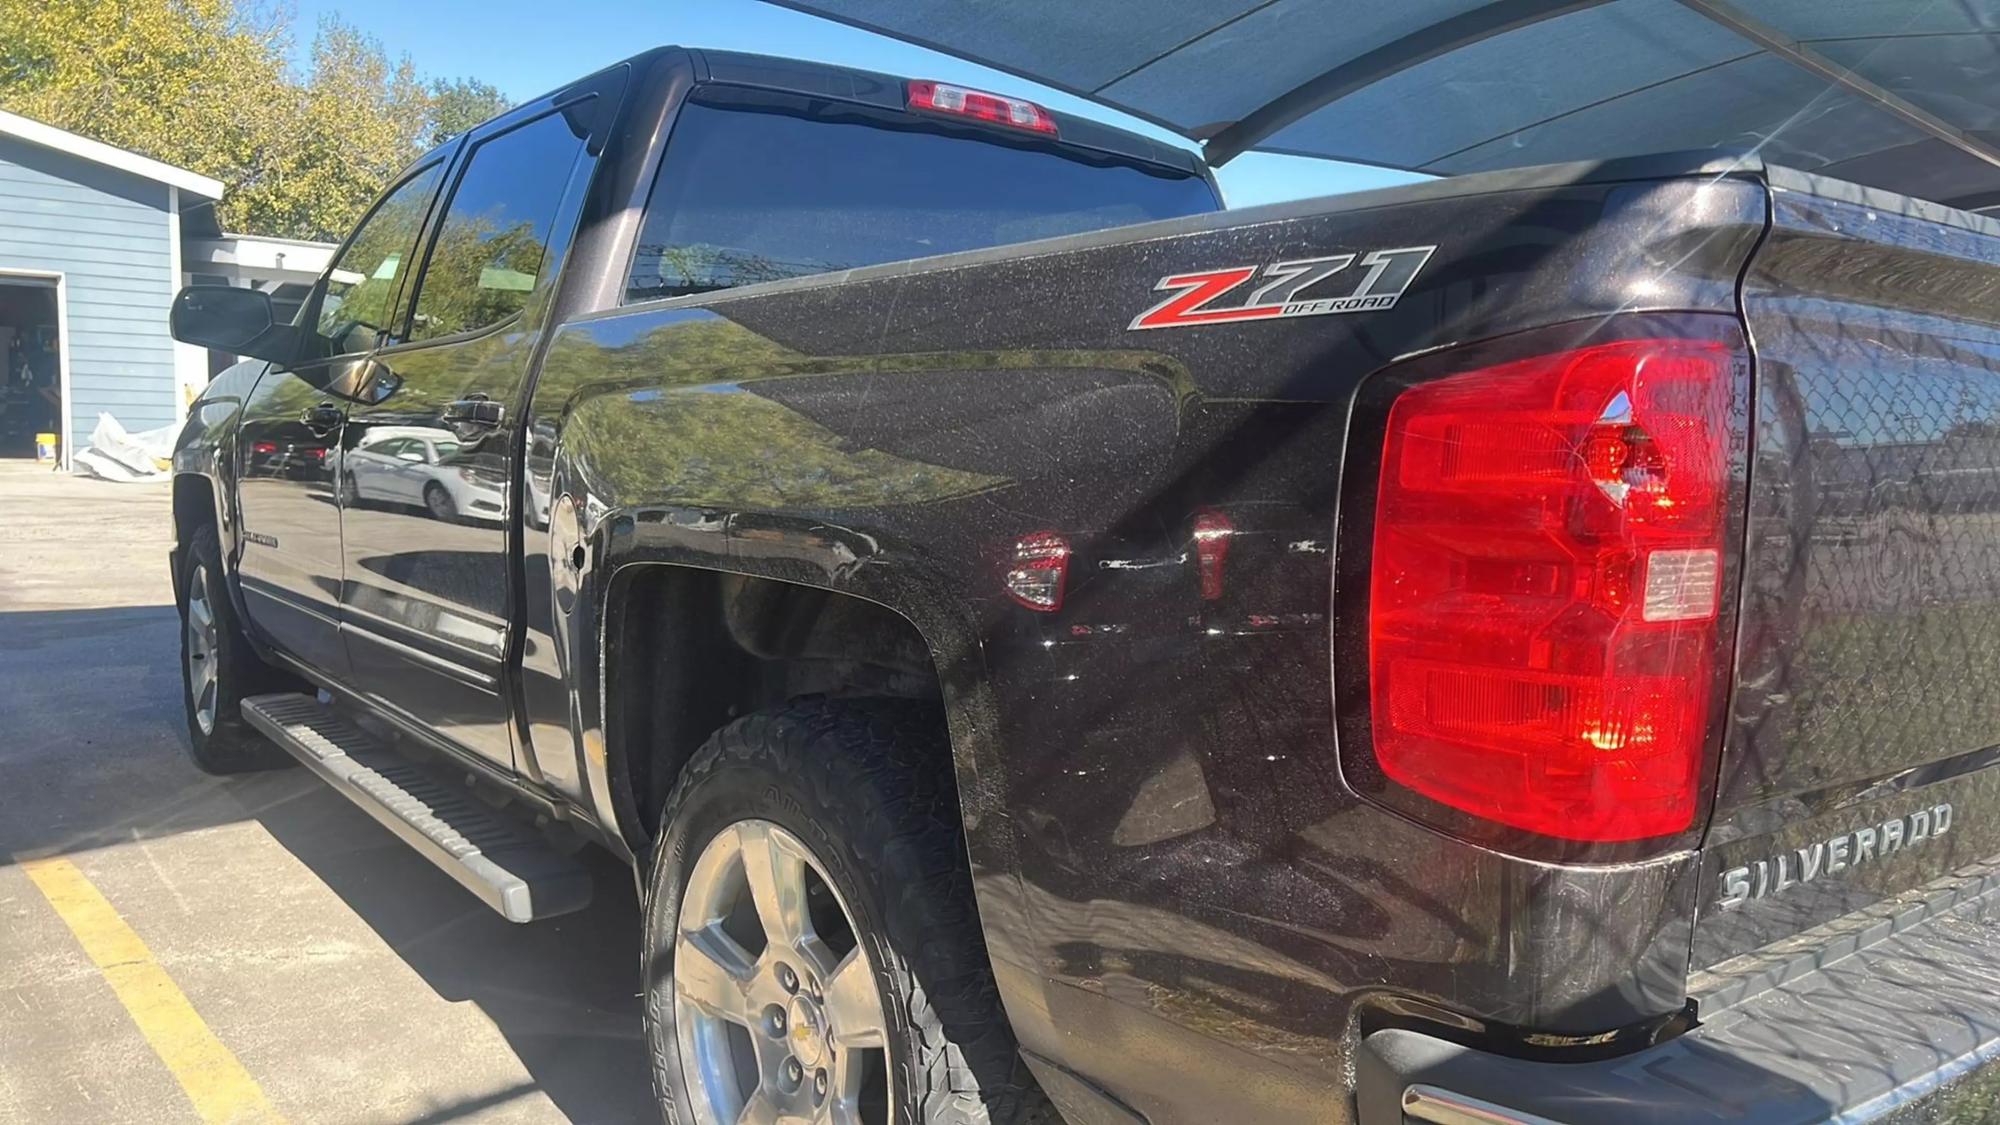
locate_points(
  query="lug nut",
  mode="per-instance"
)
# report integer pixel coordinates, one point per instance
(819, 1084)
(788, 978)
(794, 1073)
(774, 1022)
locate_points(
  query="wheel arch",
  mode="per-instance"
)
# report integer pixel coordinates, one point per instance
(197, 503)
(204, 467)
(686, 649)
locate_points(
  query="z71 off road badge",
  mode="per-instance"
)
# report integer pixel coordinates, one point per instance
(1282, 288)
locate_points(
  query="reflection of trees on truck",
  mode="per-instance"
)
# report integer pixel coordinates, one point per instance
(479, 273)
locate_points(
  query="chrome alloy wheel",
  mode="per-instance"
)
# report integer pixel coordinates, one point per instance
(776, 1009)
(203, 676)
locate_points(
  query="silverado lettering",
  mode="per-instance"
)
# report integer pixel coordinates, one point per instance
(1832, 855)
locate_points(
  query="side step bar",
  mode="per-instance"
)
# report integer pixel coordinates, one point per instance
(506, 863)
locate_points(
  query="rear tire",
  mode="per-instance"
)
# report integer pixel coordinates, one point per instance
(219, 668)
(863, 793)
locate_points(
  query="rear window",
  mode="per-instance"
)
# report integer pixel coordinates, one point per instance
(759, 194)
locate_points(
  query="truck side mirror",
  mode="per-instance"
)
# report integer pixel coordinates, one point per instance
(234, 320)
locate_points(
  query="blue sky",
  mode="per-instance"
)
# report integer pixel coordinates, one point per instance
(527, 47)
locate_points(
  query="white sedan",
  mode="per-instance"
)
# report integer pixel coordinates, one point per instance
(414, 465)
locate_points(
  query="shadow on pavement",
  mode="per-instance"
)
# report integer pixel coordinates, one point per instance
(91, 755)
(563, 992)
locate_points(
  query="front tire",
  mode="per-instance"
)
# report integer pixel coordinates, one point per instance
(219, 668)
(812, 946)
(438, 500)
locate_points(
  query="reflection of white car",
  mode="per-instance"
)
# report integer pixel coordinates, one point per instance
(417, 465)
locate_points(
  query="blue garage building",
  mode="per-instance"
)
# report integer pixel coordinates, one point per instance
(94, 242)
(90, 257)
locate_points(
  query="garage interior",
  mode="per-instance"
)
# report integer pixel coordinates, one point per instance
(30, 365)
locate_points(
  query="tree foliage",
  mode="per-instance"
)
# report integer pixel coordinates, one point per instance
(460, 103)
(205, 85)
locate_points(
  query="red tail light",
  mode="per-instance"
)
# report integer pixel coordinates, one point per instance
(1212, 530)
(263, 448)
(994, 109)
(1544, 633)
(1039, 571)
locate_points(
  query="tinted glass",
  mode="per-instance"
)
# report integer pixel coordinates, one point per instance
(361, 286)
(490, 247)
(756, 195)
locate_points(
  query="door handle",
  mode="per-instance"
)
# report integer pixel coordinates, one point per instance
(322, 419)
(473, 411)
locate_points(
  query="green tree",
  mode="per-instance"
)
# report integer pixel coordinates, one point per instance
(458, 104)
(356, 120)
(197, 83)
(204, 84)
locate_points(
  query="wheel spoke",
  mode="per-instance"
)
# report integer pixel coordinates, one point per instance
(835, 1111)
(759, 1110)
(853, 1006)
(204, 681)
(777, 878)
(202, 616)
(843, 1101)
(711, 971)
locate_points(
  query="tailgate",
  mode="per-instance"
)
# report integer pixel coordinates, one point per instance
(1866, 716)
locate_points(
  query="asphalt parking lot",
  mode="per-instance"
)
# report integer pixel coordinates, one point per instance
(175, 947)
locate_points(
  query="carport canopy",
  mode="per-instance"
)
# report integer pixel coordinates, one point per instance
(1896, 94)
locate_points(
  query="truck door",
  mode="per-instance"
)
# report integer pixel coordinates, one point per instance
(426, 593)
(288, 451)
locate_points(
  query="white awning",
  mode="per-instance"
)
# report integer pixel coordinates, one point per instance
(249, 257)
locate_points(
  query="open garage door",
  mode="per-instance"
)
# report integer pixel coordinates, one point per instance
(30, 365)
(1897, 94)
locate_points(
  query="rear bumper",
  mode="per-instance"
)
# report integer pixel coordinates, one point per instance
(1896, 1021)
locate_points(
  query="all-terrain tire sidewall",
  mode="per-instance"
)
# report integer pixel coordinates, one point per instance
(819, 770)
(233, 746)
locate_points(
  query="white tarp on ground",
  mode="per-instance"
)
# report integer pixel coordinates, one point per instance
(117, 455)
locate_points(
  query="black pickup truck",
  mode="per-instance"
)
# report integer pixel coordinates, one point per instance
(1516, 648)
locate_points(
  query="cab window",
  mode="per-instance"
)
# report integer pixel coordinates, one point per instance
(761, 189)
(360, 288)
(490, 248)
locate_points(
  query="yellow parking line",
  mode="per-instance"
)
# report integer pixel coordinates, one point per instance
(219, 1087)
